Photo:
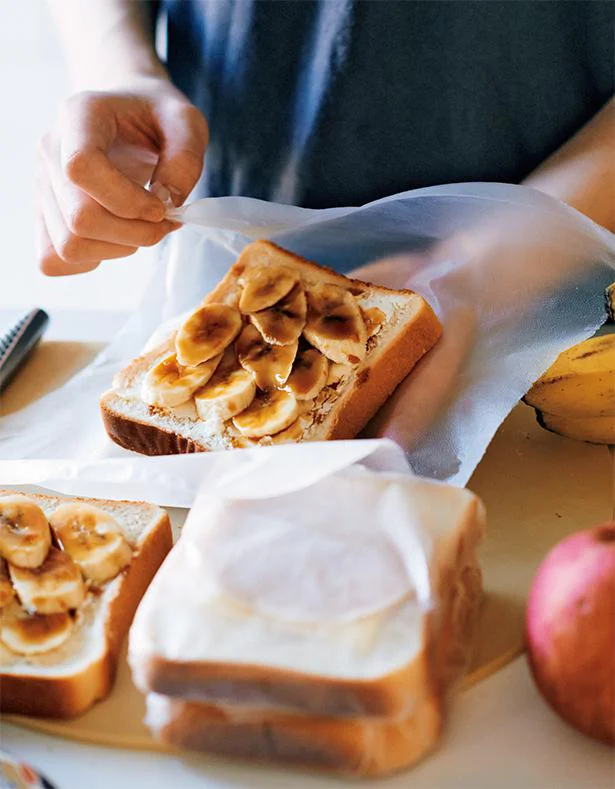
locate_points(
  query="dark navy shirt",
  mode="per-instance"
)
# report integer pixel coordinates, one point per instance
(338, 102)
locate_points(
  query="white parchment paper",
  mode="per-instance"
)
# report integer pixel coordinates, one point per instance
(515, 276)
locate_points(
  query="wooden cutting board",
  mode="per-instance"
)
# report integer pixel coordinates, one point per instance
(537, 487)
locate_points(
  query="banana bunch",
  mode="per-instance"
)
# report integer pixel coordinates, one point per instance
(576, 396)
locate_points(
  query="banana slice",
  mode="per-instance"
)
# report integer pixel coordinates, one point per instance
(265, 286)
(227, 393)
(374, 318)
(52, 588)
(283, 323)
(32, 634)
(309, 375)
(25, 538)
(93, 539)
(206, 333)
(168, 384)
(7, 593)
(334, 324)
(269, 364)
(268, 414)
(292, 435)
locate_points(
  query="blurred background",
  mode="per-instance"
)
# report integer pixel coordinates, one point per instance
(33, 80)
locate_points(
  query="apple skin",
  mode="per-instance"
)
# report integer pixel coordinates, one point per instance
(570, 630)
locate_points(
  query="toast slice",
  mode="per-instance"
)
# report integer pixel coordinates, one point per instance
(364, 350)
(267, 656)
(356, 748)
(65, 681)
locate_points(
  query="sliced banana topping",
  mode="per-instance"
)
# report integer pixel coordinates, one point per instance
(32, 634)
(334, 324)
(7, 593)
(265, 286)
(52, 588)
(309, 374)
(283, 323)
(25, 538)
(269, 364)
(268, 414)
(373, 317)
(93, 539)
(206, 333)
(169, 384)
(293, 434)
(226, 394)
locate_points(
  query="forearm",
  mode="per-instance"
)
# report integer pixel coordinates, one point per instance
(108, 43)
(582, 172)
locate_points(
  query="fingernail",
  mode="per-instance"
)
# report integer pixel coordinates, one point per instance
(154, 212)
(176, 196)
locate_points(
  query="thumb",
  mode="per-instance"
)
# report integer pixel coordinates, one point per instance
(183, 141)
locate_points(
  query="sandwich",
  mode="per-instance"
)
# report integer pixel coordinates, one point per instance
(282, 350)
(321, 629)
(72, 572)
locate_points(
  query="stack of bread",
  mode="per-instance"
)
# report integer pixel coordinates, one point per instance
(320, 629)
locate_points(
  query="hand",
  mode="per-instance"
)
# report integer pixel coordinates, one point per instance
(416, 403)
(94, 164)
(501, 275)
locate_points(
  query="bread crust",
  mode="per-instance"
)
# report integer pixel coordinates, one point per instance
(447, 644)
(361, 748)
(374, 384)
(66, 697)
(358, 746)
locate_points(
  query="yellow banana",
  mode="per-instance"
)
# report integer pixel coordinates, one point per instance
(609, 297)
(580, 383)
(595, 429)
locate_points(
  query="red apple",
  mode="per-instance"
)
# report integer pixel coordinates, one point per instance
(570, 630)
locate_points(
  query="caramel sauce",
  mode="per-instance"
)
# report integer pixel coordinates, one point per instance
(56, 562)
(270, 364)
(333, 314)
(34, 628)
(307, 371)
(264, 287)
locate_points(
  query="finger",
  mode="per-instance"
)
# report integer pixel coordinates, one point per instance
(88, 128)
(86, 218)
(410, 413)
(49, 262)
(183, 141)
(71, 249)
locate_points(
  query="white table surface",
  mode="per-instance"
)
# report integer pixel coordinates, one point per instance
(501, 735)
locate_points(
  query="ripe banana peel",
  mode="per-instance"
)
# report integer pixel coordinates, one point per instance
(576, 396)
(609, 297)
(595, 429)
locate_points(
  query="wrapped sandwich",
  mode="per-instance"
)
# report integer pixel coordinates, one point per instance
(322, 628)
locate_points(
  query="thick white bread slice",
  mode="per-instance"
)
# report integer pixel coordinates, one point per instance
(358, 748)
(66, 681)
(376, 665)
(340, 411)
